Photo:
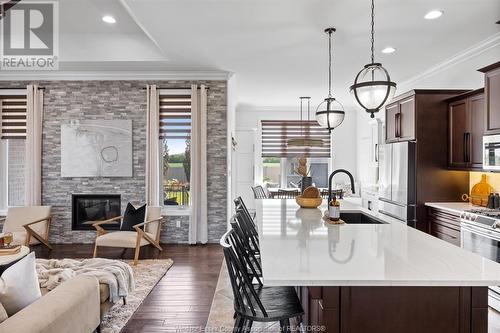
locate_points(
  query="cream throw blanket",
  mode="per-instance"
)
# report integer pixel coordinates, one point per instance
(116, 274)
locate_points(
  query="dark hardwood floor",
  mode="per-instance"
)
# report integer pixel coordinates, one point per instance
(181, 301)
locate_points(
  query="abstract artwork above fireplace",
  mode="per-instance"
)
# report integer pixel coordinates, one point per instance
(96, 148)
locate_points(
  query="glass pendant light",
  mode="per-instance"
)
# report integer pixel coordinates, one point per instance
(305, 140)
(330, 113)
(373, 87)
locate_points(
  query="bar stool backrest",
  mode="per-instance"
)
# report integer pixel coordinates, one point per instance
(245, 296)
(248, 228)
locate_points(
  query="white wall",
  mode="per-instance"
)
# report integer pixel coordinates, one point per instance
(248, 150)
(232, 100)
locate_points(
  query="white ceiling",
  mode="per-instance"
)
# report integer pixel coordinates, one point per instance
(276, 48)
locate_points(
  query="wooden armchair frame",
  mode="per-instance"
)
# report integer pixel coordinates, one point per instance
(32, 233)
(140, 234)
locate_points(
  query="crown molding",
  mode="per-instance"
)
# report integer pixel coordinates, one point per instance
(469, 53)
(114, 75)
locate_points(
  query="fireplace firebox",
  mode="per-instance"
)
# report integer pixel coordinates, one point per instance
(94, 207)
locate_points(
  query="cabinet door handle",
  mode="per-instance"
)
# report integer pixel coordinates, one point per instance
(468, 147)
(397, 118)
(376, 152)
(464, 144)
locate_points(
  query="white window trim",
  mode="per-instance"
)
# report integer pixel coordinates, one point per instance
(176, 211)
(166, 209)
(4, 166)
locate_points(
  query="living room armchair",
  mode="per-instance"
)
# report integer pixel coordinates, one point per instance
(28, 225)
(146, 233)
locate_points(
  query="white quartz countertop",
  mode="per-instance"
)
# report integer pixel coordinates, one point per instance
(454, 207)
(299, 249)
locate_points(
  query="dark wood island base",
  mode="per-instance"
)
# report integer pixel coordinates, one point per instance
(396, 309)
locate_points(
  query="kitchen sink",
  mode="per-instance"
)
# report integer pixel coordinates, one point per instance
(359, 218)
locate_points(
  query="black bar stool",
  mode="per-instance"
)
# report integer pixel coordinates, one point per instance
(240, 205)
(249, 231)
(246, 252)
(254, 303)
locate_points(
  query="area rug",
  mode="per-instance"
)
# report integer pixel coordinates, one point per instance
(147, 273)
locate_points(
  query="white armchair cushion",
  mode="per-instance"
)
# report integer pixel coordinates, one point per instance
(126, 239)
(152, 213)
(19, 216)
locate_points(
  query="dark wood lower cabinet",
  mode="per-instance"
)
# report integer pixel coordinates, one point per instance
(396, 309)
(444, 225)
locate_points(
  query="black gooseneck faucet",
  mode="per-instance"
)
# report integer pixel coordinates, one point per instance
(331, 178)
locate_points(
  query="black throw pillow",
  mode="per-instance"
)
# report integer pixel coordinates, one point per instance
(132, 217)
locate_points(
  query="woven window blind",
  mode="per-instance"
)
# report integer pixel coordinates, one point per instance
(13, 117)
(276, 133)
(175, 116)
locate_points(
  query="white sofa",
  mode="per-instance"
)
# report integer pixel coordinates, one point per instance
(73, 307)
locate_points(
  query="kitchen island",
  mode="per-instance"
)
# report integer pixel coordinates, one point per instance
(376, 276)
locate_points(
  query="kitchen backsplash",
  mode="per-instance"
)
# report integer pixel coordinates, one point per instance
(492, 178)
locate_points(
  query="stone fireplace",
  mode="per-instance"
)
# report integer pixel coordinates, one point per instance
(94, 207)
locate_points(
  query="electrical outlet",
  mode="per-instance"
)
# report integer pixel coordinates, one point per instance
(178, 224)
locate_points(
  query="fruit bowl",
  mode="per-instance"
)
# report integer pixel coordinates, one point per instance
(308, 202)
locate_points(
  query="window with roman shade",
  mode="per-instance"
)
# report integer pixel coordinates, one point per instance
(175, 141)
(175, 116)
(277, 133)
(13, 117)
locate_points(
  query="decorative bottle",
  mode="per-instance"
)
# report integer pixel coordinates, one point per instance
(334, 209)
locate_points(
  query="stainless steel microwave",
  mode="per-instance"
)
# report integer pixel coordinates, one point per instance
(491, 152)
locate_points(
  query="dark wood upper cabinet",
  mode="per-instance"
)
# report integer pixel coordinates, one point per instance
(391, 112)
(400, 120)
(403, 114)
(458, 127)
(478, 113)
(492, 98)
(407, 119)
(466, 114)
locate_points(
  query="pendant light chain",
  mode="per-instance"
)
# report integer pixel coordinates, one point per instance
(372, 94)
(309, 109)
(373, 31)
(329, 64)
(301, 122)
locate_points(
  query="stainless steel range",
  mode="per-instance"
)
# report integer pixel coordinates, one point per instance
(480, 233)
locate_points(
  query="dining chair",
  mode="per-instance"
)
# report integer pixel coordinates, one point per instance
(287, 194)
(259, 193)
(257, 303)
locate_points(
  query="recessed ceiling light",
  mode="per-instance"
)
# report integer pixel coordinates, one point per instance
(388, 50)
(433, 14)
(109, 19)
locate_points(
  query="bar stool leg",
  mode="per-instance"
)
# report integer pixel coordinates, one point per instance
(247, 327)
(285, 325)
(238, 324)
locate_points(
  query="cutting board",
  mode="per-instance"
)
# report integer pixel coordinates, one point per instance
(479, 192)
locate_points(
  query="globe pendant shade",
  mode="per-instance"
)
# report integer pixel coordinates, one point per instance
(373, 88)
(330, 113)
